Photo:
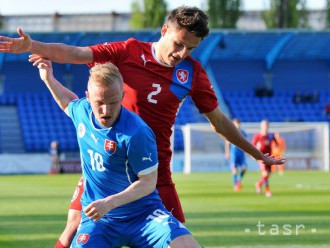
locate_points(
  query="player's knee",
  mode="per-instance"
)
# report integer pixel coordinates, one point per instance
(185, 241)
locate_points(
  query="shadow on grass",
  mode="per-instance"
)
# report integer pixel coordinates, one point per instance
(36, 243)
(260, 228)
(210, 229)
(257, 214)
(31, 225)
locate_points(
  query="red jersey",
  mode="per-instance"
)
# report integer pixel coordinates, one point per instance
(263, 142)
(154, 90)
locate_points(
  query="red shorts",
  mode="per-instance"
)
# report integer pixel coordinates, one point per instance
(75, 200)
(166, 192)
(171, 200)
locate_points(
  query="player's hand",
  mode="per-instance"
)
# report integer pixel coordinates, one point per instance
(271, 160)
(45, 69)
(16, 45)
(35, 59)
(96, 210)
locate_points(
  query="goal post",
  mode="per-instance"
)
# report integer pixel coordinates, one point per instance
(307, 145)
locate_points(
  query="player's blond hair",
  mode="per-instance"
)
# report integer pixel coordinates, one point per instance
(106, 74)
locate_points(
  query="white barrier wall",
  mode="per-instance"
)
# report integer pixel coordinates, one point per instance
(307, 145)
(38, 163)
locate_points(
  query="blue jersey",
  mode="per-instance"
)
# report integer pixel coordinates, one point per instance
(111, 158)
(237, 156)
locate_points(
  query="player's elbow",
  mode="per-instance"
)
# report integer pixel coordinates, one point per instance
(63, 103)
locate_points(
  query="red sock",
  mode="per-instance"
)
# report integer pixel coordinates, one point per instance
(265, 181)
(59, 245)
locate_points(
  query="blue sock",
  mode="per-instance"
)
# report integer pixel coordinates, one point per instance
(234, 178)
(242, 173)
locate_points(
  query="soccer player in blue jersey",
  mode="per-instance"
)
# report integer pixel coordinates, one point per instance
(237, 159)
(121, 206)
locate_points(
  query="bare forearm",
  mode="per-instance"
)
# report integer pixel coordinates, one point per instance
(234, 136)
(225, 128)
(140, 188)
(134, 192)
(62, 53)
(239, 140)
(61, 95)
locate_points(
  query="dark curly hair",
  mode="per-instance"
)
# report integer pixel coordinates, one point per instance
(190, 18)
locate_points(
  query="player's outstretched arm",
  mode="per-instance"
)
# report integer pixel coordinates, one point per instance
(56, 52)
(271, 160)
(225, 128)
(62, 95)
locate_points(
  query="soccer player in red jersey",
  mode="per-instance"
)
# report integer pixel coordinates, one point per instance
(263, 141)
(157, 78)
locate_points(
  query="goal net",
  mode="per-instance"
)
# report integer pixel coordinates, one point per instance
(307, 146)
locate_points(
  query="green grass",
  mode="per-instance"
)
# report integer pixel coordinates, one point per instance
(33, 210)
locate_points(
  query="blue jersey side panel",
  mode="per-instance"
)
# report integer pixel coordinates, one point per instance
(182, 79)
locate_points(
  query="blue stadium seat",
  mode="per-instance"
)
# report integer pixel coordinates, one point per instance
(238, 63)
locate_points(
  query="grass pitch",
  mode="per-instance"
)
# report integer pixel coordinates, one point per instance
(33, 209)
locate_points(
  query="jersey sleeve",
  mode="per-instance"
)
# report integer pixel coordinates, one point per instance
(202, 92)
(75, 107)
(72, 107)
(142, 152)
(109, 52)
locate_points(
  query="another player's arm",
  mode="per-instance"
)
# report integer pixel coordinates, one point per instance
(225, 128)
(61, 95)
(60, 53)
(56, 52)
(145, 185)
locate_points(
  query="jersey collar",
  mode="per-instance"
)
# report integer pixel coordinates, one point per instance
(98, 127)
(155, 57)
